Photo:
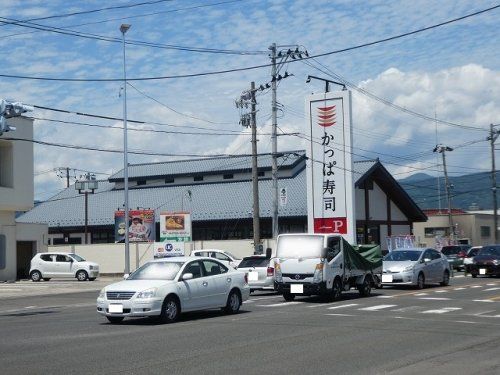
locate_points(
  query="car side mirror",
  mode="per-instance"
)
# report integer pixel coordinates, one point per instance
(324, 252)
(425, 260)
(125, 277)
(187, 276)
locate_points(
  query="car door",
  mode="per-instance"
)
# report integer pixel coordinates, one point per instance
(63, 266)
(427, 266)
(438, 265)
(219, 282)
(191, 291)
(47, 265)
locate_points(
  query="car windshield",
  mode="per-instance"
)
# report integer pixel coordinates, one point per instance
(254, 262)
(77, 258)
(490, 250)
(300, 246)
(157, 271)
(403, 255)
(450, 250)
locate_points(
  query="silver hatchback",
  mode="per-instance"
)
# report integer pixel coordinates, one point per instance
(415, 266)
(260, 271)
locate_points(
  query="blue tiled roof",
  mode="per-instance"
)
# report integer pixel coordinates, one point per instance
(211, 201)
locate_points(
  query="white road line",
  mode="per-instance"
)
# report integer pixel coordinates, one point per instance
(408, 308)
(440, 291)
(322, 304)
(491, 284)
(248, 301)
(342, 306)
(281, 304)
(341, 314)
(262, 298)
(490, 289)
(385, 297)
(442, 311)
(476, 286)
(483, 300)
(376, 308)
(436, 298)
(465, 321)
(459, 288)
(421, 294)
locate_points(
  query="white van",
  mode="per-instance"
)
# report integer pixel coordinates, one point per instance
(48, 265)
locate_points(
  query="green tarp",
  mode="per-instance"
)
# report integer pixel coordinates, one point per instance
(363, 257)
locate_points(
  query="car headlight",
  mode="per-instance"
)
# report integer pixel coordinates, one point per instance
(495, 262)
(148, 293)
(102, 293)
(91, 267)
(408, 268)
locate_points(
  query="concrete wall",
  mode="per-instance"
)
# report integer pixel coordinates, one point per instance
(8, 228)
(378, 203)
(111, 257)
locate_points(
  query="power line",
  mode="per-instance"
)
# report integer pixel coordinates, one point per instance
(225, 71)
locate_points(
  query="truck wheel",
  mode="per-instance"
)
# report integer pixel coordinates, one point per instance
(288, 296)
(336, 289)
(366, 288)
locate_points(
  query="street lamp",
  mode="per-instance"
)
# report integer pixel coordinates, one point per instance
(123, 29)
(88, 185)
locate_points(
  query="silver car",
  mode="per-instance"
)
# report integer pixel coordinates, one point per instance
(415, 266)
(260, 271)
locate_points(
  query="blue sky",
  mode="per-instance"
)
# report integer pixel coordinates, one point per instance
(451, 72)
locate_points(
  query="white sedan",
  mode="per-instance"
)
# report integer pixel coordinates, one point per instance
(166, 287)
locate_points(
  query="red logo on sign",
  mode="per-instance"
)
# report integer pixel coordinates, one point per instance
(330, 225)
(327, 116)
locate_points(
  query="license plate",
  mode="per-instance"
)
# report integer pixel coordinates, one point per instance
(116, 308)
(387, 278)
(253, 276)
(297, 288)
(482, 271)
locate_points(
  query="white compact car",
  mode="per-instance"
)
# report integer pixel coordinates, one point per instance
(48, 265)
(224, 256)
(260, 269)
(163, 288)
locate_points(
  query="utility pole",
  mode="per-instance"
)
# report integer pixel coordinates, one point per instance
(250, 120)
(442, 150)
(274, 139)
(492, 138)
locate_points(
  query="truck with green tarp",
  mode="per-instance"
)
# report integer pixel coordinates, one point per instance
(326, 265)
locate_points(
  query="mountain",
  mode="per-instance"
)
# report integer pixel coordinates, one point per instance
(466, 191)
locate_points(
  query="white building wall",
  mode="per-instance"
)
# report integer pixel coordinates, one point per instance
(378, 203)
(396, 213)
(359, 198)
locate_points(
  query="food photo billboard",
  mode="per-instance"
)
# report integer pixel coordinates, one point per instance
(175, 226)
(141, 226)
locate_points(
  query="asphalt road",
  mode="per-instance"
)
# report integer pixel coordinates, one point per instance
(438, 330)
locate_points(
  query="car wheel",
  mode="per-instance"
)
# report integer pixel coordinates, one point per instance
(446, 279)
(92, 278)
(36, 276)
(82, 275)
(420, 281)
(365, 289)
(46, 279)
(233, 303)
(115, 319)
(288, 296)
(473, 274)
(170, 310)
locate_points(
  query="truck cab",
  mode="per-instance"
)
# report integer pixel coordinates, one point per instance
(321, 264)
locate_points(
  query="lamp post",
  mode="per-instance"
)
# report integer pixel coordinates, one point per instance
(88, 185)
(124, 28)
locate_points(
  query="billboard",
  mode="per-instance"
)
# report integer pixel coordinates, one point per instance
(330, 184)
(168, 249)
(175, 226)
(141, 226)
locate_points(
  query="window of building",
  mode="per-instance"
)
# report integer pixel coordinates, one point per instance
(198, 178)
(485, 231)
(141, 182)
(435, 231)
(169, 180)
(228, 176)
(261, 174)
(6, 165)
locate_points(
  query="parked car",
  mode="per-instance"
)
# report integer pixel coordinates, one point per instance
(48, 265)
(486, 263)
(455, 255)
(415, 266)
(163, 288)
(222, 255)
(260, 271)
(471, 253)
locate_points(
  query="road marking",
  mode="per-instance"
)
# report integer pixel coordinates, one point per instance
(490, 289)
(384, 297)
(342, 306)
(322, 304)
(341, 314)
(436, 298)
(421, 294)
(482, 300)
(442, 311)
(376, 308)
(477, 286)
(459, 288)
(465, 321)
(262, 298)
(248, 301)
(491, 284)
(281, 304)
(408, 308)
(441, 291)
